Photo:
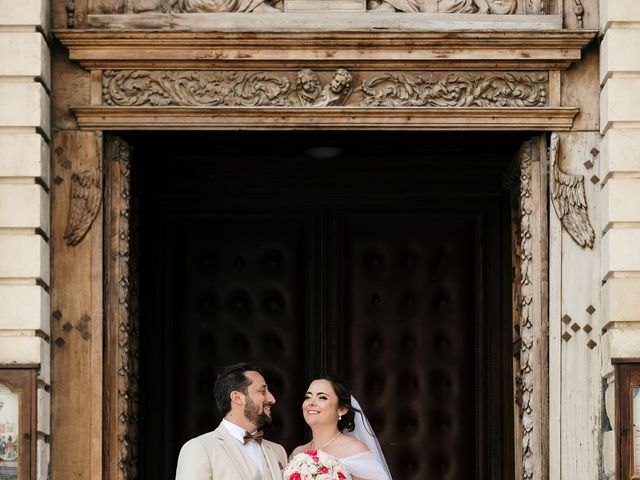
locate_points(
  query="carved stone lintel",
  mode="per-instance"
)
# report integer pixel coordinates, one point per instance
(569, 200)
(305, 88)
(84, 204)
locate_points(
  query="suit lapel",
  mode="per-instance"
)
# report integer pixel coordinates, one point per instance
(248, 470)
(271, 462)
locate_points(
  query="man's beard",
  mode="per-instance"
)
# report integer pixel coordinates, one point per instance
(252, 412)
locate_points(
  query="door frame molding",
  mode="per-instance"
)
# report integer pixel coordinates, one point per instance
(91, 275)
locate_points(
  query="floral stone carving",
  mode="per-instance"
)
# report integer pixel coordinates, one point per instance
(307, 88)
(457, 90)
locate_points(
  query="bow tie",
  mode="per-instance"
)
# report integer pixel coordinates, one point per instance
(257, 436)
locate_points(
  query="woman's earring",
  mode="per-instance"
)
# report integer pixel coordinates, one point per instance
(339, 417)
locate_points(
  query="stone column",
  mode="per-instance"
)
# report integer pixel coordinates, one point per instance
(620, 195)
(24, 200)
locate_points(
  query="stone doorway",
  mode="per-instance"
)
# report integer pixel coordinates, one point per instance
(220, 214)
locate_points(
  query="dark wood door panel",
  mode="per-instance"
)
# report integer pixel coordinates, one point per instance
(407, 307)
(385, 268)
(231, 288)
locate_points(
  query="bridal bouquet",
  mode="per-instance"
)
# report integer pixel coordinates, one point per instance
(315, 465)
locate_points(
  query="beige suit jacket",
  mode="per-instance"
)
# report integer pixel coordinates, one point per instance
(218, 456)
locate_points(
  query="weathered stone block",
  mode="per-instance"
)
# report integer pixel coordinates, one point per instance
(621, 300)
(42, 460)
(24, 105)
(24, 155)
(24, 206)
(620, 153)
(25, 257)
(22, 350)
(621, 343)
(24, 307)
(620, 252)
(620, 52)
(618, 11)
(25, 55)
(25, 13)
(619, 101)
(609, 453)
(43, 412)
(619, 200)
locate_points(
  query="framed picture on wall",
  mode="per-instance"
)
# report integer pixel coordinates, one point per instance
(17, 423)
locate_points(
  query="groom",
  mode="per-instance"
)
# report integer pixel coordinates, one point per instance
(236, 450)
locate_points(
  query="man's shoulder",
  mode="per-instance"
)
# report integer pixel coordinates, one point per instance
(275, 447)
(206, 439)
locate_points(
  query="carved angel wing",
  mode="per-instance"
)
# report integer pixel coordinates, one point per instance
(84, 203)
(569, 200)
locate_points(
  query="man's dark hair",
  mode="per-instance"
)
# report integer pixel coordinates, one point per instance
(231, 378)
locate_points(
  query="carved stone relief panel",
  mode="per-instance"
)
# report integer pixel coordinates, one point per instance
(495, 7)
(308, 88)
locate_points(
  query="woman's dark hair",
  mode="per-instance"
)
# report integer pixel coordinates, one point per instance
(231, 379)
(343, 392)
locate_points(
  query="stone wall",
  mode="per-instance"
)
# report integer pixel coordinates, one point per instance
(620, 194)
(24, 199)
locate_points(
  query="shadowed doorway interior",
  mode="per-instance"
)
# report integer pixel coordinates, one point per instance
(386, 261)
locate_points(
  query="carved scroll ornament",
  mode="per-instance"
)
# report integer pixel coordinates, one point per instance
(307, 88)
(192, 88)
(569, 200)
(84, 204)
(457, 90)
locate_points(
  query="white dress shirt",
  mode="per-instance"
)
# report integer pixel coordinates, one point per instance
(251, 448)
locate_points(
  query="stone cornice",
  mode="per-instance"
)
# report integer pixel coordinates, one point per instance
(334, 118)
(523, 50)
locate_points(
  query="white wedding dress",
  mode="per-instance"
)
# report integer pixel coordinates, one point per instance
(365, 465)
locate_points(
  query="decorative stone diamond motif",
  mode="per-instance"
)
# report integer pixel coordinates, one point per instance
(590, 309)
(566, 336)
(57, 314)
(59, 342)
(588, 164)
(594, 151)
(587, 328)
(595, 179)
(591, 344)
(566, 319)
(575, 327)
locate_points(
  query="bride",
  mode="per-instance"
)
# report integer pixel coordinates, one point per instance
(340, 429)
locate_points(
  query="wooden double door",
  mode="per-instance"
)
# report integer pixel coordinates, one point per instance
(387, 266)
